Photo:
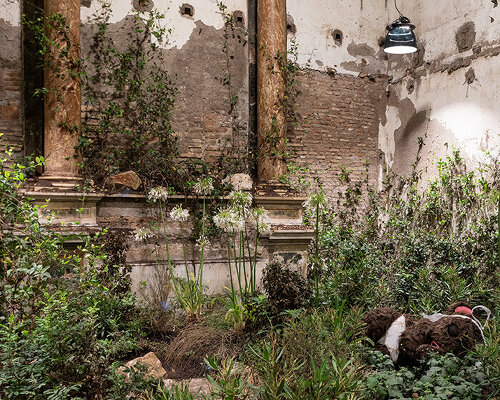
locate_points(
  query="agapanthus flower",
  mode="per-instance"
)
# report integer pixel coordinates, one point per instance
(204, 186)
(202, 242)
(240, 200)
(316, 200)
(179, 214)
(143, 234)
(229, 220)
(158, 193)
(259, 217)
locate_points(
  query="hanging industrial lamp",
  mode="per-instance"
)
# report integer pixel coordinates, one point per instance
(400, 38)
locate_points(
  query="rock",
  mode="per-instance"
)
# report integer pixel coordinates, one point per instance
(240, 181)
(129, 179)
(199, 386)
(154, 369)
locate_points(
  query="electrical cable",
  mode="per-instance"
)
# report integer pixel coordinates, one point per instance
(395, 5)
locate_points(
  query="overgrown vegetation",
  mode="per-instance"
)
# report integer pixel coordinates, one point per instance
(66, 316)
(129, 99)
(414, 247)
(417, 246)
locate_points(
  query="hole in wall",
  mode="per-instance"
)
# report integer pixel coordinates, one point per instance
(466, 36)
(239, 19)
(143, 5)
(187, 10)
(410, 86)
(290, 25)
(338, 37)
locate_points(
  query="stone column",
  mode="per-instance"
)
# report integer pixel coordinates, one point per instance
(63, 100)
(271, 115)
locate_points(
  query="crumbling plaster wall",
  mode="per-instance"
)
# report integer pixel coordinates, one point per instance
(202, 117)
(339, 35)
(11, 96)
(448, 93)
(448, 90)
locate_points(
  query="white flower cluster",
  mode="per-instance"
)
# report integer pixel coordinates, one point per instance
(316, 200)
(143, 234)
(229, 220)
(202, 242)
(179, 214)
(204, 186)
(260, 219)
(240, 200)
(158, 193)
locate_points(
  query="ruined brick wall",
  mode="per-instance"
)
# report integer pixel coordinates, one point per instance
(204, 118)
(208, 63)
(338, 126)
(11, 94)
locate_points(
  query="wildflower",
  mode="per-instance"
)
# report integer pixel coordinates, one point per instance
(143, 234)
(179, 214)
(316, 200)
(240, 200)
(228, 220)
(158, 193)
(204, 186)
(259, 217)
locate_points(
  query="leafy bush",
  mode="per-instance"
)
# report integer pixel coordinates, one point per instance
(283, 377)
(309, 336)
(286, 289)
(65, 317)
(68, 351)
(417, 247)
(29, 254)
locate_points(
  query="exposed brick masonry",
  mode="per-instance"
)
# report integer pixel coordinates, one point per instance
(339, 126)
(11, 123)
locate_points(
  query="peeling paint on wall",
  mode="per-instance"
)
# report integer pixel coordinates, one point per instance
(452, 83)
(207, 12)
(325, 26)
(10, 12)
(466, 36)
(203, 118)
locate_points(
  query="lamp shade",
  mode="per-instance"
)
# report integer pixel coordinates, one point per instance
(400, 38)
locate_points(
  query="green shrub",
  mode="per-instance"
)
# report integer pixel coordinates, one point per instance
(283, 376)
(415, 246)
(286, 289)
(64, 319)
(309, 336)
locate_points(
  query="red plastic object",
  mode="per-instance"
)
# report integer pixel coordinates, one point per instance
(463, 310)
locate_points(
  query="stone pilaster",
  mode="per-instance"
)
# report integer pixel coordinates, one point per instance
(271, 115)
(62, 117)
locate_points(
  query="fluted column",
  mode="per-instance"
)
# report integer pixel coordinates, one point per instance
(271, 114)
(62, 110)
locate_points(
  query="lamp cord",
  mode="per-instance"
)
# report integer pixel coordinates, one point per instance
(395, 5)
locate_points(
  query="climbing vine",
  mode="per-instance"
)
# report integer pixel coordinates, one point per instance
(128, 100)
(234, 154)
